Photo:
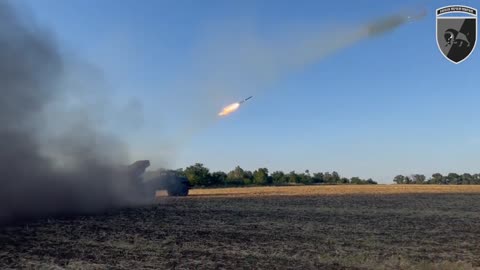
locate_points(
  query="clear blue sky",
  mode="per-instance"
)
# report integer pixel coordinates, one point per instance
(383, 106)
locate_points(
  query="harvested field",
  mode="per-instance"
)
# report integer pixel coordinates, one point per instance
(301, 227)
(336, 190)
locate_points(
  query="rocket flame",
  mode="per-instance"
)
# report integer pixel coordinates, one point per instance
(229, 109)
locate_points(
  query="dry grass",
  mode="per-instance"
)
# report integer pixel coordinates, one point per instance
(336, 190)
(305, 227)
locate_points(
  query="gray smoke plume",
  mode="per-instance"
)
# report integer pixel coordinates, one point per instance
(54, 157)
(234, 61)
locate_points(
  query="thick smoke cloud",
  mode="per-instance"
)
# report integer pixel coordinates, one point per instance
(54, 158)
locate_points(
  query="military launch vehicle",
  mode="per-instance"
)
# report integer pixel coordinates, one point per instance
(148, 183)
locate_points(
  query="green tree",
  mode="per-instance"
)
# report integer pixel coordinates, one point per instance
(336, 177)
(418, 179)
(260, 176)
(318, 178)
(327, 178)
(476, 179)
(248, 178)
(198, 175)
(356, 180)
(293, 177)
(467, 179)
(437, 178)
(219, 178)
(236, 177)
(278, 177)
(408, 180)
(306, 178)
(371, 182)
(344, 180)
(399, 179)
(453, 179)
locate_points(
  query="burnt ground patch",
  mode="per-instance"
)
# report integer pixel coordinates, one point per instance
(278, 232)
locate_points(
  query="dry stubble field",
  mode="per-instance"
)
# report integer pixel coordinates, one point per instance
(302, 227)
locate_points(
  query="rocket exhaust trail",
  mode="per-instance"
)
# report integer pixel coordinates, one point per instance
(313, 48)
(375, 28)
(232, 62)
(389, 23)
(232, 107)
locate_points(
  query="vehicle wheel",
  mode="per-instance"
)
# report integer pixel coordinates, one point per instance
(184, 191)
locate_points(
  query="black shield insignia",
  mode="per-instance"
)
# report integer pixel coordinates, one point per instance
(456, 32)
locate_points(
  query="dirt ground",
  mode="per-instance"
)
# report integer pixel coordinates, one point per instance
(311, 227)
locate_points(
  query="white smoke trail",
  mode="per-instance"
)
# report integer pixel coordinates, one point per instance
(238, 63)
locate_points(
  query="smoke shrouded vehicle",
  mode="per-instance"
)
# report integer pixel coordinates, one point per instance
(147, 183)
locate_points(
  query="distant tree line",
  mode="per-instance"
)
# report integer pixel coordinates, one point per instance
(200, 176)
(439, 179)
